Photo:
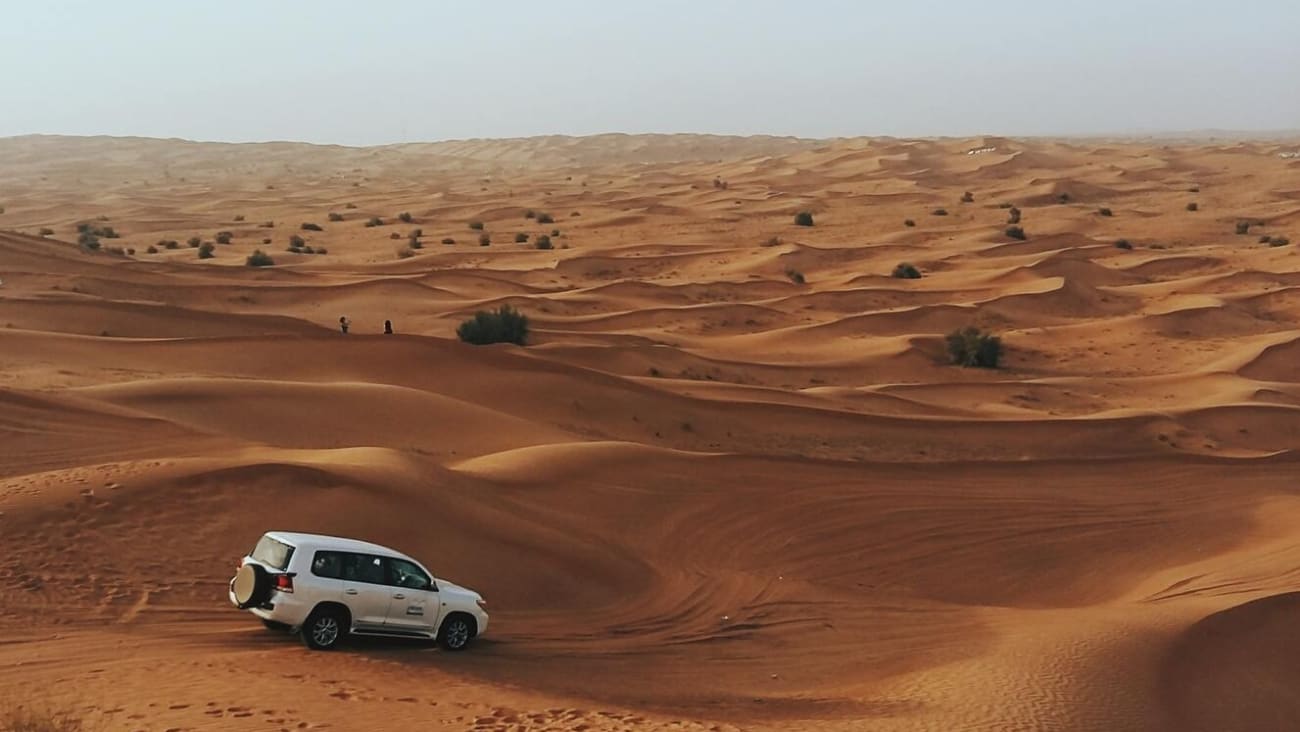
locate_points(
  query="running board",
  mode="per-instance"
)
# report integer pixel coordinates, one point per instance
(392, 632)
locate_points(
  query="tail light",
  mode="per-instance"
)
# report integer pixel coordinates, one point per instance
(284, 582)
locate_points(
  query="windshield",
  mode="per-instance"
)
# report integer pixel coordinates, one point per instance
(272, 553)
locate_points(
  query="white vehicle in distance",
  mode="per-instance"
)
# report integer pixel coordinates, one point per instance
(326, 588)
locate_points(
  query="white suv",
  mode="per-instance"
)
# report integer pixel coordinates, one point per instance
(326, 587)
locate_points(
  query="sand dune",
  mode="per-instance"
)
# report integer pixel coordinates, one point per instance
(733, 483)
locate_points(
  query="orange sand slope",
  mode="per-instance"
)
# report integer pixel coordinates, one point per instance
(707, 496)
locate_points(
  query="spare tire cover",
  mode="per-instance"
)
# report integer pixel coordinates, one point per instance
(252, 586)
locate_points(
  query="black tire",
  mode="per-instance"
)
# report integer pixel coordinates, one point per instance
(275, 625)
(456, 632)
(325, 629)
(252, 586)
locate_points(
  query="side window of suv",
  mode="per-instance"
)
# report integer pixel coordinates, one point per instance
(327, 564)
(363, 568)
(402, 573)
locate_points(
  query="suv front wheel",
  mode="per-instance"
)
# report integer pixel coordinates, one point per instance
(325, 629)
(455, 632)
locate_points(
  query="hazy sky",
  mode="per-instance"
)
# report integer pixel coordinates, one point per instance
(375, 72)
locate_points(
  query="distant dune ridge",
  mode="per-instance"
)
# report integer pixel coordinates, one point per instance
(734, 482)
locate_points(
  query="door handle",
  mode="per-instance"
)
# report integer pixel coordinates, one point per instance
(349, 592)
(399, 595)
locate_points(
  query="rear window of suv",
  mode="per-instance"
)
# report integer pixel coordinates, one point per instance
(272, 553)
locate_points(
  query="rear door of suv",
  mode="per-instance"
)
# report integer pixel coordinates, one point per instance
(365, 589)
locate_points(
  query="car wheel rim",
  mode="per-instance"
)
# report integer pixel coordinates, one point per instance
(457, 634)
(325, 631)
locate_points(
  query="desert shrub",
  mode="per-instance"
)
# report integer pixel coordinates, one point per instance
(1243, 227)
(171, 244)
(545, 218)
(939, 212)
(1105, 212)
(476, 225)
(543, 242)
(909, 223)
(311, 227)
(224, 237)
(266, 225)
(448, 240)
(795, 276)
(970, 346)
(968, 197)
(297, 241)
(906, 271)
(1063, 198)
(576, 213)
(417, 232)
(394, 235)
(1123, 244)
(1013, 216)
(349, 205)
(414, 243)
(45, 231)
(259, 258)
(774, 241)
(335, 216)
(405, 253)
(206, 249)
(803, 218)
(374, 221)
(1265, 239)
(308, 250)
(1193, 206)
(266, 240)
(484, 239)
(322, 250)
(555, 232)
(108, 233)
(530, 214)
(503, 325)
(1194, 189)
(521, 237)
(194, 242)
(152, 249)
(405, 217)
(238, 218)
(1005, 204)
(1278, 241)
(1015, 232)
(88, 241)
(130, 251)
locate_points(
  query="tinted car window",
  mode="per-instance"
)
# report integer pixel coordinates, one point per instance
(405, 574)
(272, 553)
(363, 568)
(327, 564)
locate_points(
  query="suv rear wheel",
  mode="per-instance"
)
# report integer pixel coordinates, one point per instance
(325, 628)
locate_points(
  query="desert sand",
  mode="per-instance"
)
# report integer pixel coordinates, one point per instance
(705, 496)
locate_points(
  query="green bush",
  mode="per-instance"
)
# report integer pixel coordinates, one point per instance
(297, 241)
(405, 217)
(1015, 232)
(311, 227)
(476, 225)
(194, 242)
(374, 221)
(206, 249)
(543, 242)
(503, 325)
(259, 258)
(170, 244)
(545, 218)
(1278, 241)
(88, 241)
(803, 218)
(906, 271)
(555, 232)
(224, 237)
(521, 237)
(1243, 227)
(335, 216)
(971, 347)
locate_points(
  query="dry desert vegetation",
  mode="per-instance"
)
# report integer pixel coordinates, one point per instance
(734, 480)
